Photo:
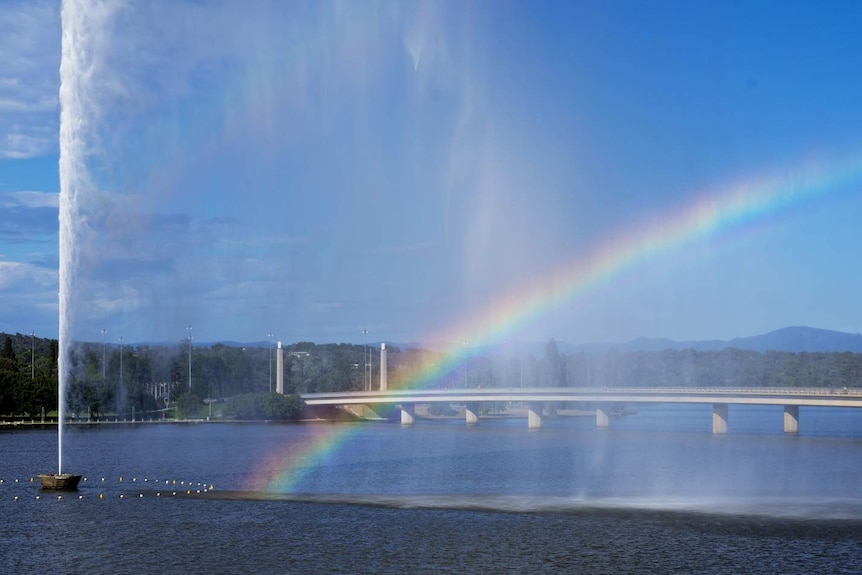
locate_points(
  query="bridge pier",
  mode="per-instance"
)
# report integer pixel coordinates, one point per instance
(408, 413)
(719, 418)
(534, 414)
(791, 419)
(602, 417)
(471, 412)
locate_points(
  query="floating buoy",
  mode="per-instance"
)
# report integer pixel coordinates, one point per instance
(175, 481)
(134, 479)
(141, 495)
(173, 492)
(121, 478)
(80, 497)
(189, 492)
(31, 480)
(59, 498)
(37, 497)
(158, 494)
(101, 495)
(16, 498)
(122, 496)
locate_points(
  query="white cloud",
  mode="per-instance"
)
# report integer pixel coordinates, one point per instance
(16, 275)
(30, 199)
(29, 78)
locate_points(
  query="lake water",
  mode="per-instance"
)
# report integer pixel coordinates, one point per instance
(655, 493)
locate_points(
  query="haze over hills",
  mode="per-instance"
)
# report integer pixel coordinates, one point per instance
(794, 339)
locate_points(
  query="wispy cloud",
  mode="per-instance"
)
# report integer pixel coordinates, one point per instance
(29, 81)
(15, 275)
(28, 217)
(29, 199)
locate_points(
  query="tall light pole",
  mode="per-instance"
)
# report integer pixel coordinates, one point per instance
(32, 355)
(269, 338)
(189, 329)
(365, 361)
(104, 351)
(121, 361)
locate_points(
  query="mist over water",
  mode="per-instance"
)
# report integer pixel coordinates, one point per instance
(247, 159)
(639, 497)
(191, 187)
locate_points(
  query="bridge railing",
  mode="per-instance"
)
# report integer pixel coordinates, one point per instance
(770, 391)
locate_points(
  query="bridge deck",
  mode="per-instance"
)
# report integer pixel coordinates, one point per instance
(750, 396)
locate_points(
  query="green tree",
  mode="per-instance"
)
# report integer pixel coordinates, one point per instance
(189, 404)
(271, 406)
(279, 407)
(556, 371)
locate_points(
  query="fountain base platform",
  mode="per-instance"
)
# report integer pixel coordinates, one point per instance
(60, 481)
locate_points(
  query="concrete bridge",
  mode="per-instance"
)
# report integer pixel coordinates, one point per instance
(606, 400)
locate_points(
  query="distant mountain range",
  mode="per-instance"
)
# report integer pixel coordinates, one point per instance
(794, 339)
(791, 339)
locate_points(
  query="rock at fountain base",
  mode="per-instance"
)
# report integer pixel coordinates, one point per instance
(59, 481)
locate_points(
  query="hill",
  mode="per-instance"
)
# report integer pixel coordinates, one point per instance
(793, 339)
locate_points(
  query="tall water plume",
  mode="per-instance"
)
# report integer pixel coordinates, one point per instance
(78, 18)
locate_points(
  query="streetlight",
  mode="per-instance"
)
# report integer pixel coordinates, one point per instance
(189, 329)
(32, 355)
(104, 351)
(269, 337)
(121, 361)
(365, 361)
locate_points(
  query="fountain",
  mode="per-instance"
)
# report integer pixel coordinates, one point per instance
(59, 481)
(72, 179)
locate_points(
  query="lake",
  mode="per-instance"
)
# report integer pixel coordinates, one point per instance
(655, 493)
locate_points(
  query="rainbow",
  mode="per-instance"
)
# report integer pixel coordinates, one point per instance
(283, 469)
(712, 214)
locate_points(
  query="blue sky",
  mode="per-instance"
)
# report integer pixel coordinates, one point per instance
(316, 169)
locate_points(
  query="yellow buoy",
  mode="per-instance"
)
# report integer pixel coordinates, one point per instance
(101, 495)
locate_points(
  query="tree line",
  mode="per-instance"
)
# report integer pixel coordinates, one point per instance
(148, 380)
